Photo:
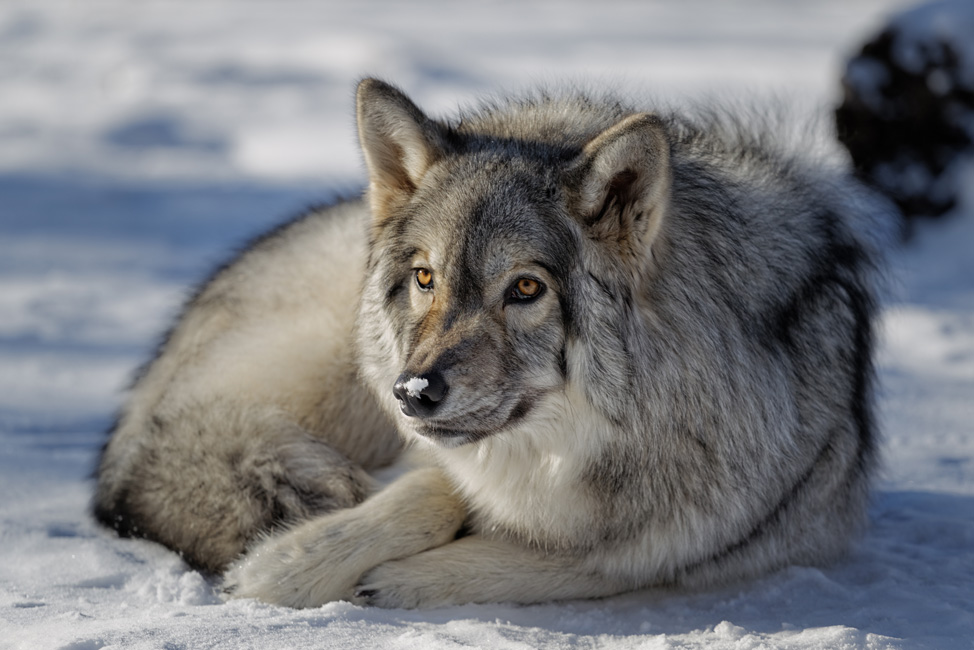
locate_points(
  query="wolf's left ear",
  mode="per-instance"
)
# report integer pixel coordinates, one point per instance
(620, 183)
(399, 143)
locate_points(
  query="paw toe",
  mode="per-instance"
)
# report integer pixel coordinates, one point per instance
(365, 596)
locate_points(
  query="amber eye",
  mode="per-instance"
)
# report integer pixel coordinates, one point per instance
(526, 289)
(424, 278)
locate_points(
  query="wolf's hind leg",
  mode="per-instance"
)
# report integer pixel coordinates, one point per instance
(322, 560)
(206, 480)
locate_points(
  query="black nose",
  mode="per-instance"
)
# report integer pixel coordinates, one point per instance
(419, 395)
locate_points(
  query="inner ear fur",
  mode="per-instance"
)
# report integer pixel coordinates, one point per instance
(399, 143)
(621, 183)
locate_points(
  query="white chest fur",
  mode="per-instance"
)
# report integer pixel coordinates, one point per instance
(529, 480)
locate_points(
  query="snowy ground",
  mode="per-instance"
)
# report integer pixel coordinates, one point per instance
(140, 142)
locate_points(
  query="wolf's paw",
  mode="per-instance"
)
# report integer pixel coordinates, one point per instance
(262, 575)
(323, 559)
(295, 568)
(405, 584)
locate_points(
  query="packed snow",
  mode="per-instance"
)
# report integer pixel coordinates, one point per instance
(140, 143)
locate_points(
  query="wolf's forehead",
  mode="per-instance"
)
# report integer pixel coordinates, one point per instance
(495, 218)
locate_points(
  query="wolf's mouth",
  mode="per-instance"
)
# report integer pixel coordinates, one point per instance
(450, 437)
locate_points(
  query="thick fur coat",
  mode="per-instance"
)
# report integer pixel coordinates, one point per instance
(631, 348)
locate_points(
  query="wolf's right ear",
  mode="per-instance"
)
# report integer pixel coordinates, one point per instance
(398, 141)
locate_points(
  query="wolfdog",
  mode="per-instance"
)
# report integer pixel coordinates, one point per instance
(628, 349)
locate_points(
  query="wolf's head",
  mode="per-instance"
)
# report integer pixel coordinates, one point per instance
(504, 251)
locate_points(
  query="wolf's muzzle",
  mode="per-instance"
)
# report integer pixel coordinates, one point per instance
(419, 396)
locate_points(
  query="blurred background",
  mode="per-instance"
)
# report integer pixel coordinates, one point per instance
(140, 142)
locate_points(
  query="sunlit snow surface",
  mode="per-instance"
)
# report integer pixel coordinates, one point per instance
(142, 142)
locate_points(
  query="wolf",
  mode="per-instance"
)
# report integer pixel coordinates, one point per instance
(620, 348)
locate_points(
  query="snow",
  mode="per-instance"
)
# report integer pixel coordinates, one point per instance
(141, 142)
(415, 385)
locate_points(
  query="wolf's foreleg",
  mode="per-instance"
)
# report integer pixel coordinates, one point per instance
(322, 560)
(479, 570)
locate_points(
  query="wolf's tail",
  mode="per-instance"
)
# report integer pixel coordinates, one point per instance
(175, 487)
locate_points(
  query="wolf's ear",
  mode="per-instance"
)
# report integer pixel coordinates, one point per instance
(621, 183)
(399, 143)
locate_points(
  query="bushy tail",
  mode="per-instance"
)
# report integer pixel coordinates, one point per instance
(205, 481)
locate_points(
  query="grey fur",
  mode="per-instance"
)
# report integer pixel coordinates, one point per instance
(687, 399)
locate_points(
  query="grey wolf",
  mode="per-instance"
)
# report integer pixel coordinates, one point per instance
(628, 349)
